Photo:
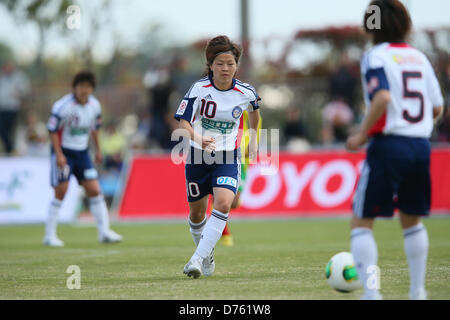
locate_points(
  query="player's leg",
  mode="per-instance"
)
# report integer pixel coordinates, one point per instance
(414, 199)
(197, 222)
(373, 197)
(216, 223)
(416, 249)
(198, 186)
(51, 223)
(87, 176)
(59, 179)
(197, 218)
(202, 261)
(365, 253)
(99, 209)
(227, 237)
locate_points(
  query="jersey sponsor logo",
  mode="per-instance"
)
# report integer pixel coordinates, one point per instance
(409, 59)
(182, 108)
(237, 112)
(223, 127)
(229, 181)
(79, 131)
(90, 173)
(373, 84)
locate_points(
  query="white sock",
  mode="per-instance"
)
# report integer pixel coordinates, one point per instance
(211, 234)
(52, 219)
(196, 230)
(365, 254)
(99, 210)
(416, 249)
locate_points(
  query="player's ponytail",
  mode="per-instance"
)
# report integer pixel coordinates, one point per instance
(218, 45)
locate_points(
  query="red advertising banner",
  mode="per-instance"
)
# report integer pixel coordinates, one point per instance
(312, 184)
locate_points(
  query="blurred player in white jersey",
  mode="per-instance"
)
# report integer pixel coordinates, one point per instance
(403, 98)
(211, 113)
(74, 118)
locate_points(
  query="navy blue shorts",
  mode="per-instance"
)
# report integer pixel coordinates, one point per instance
(78, 163)
(396, 174)
(202, 176)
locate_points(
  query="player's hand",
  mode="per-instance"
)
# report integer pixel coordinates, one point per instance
(208, 144)
(98, 158)
(355, 142)
(61, 161)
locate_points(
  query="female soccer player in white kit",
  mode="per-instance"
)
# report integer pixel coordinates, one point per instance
(74, 118)
(210, 114)
(403, 99)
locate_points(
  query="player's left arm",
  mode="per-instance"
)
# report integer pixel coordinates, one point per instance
(378, 106)
(95, 133)
(253, 119)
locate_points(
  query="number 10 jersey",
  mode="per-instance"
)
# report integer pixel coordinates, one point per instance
(217, 113)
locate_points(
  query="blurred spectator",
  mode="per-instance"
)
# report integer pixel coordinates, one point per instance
(159, 86)
(344, 82)
(337, 120)
(443, 129)
(138, 141)
(295, 132)
(113, 144)
(446, 85)
(32, 138)
(14, 86)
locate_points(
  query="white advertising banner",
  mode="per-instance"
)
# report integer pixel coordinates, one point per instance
(25, 192)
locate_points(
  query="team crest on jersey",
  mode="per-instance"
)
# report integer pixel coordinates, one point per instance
(236, 113)
(182, 108)
(53, 123)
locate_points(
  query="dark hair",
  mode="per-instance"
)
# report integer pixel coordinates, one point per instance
(395, 22)
(84, 76)
(218, 45)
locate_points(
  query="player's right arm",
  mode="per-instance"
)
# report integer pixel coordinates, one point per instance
(186, 113)
(61, 160)
(53, 125)
(207, 143)
(378, 106)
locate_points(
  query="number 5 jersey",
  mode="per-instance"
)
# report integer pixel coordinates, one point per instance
(412, 84)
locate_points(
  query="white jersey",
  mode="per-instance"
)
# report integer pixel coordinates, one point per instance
(217, 113)
(75, 120)
(412, 84)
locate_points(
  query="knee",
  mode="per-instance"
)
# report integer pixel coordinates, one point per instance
(60, 195)
(60, 192)
(361, 223)
(222, 205)
(197, 216)
(408, 220)
(93, 192)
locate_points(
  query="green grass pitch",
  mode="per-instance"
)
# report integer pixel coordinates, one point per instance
(271, 259)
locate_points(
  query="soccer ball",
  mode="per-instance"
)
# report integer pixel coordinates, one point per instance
(341, 273)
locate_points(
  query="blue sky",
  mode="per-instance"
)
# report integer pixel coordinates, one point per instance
(186, 21)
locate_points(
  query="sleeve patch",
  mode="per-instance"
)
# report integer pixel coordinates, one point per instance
(376, 80)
